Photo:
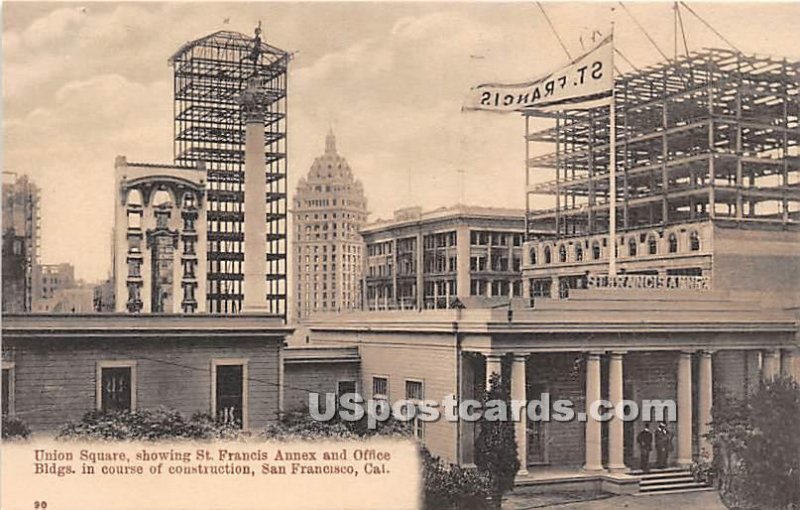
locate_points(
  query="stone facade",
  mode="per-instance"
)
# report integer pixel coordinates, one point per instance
(329, 209)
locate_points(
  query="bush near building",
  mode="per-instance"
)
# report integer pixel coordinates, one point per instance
(756, 462)
(496, 447)
(452, 487)
(147, 425)
(300, 426)
(15, 428)
(446, 487)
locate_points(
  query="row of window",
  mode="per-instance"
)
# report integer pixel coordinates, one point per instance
(116, 388)
(414, 392)
(484, 238)
(650, 241)
(161, 198)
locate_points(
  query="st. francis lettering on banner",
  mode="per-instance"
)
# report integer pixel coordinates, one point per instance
(586, 82)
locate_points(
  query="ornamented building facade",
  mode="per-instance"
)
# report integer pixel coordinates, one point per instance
(160, 235)
(329, 209)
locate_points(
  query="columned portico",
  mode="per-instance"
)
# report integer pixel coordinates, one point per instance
(704, 401)
(685, 409)
(594, 458)
(616, 439)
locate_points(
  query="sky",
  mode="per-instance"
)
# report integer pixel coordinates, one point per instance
(85, 82)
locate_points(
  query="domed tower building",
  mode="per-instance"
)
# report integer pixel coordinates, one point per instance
(329, 209)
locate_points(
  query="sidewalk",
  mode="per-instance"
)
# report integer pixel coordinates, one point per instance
(519, 500)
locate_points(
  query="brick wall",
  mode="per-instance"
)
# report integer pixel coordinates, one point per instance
(563, 378)
(55, 379)
(649, 376)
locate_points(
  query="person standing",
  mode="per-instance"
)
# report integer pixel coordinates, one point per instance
(663, 439)
(645, 442)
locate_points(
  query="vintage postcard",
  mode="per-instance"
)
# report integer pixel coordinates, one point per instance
(400, 255)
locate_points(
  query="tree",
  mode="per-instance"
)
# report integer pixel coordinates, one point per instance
(757, 448)
(496, 448)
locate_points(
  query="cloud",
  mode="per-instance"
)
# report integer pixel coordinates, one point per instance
(53, 27)
(81, 86)
(69, 148)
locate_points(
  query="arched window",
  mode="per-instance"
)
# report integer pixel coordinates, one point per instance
(652, 245)
(632, 246)
(134, 197)
(532, 254)
(694, 241)
(162, 198)
(546, 254)
(578, 252)
(673, 243)
(562, 253)
(595, 250)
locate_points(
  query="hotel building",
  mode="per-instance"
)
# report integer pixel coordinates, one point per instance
(329, 209)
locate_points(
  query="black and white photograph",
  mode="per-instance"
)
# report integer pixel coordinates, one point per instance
(407, 255)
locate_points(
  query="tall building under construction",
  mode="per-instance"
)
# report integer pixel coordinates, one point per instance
(707, 163)
(210, 74)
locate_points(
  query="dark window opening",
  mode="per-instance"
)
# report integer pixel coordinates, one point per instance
(230, 394)
(116, 389)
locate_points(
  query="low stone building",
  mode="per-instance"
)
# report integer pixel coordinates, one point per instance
(685, 346)
(58, 367)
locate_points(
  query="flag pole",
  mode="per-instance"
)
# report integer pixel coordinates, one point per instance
(612, 170)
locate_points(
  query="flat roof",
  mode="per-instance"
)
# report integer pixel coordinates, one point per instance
(37, 325)
(408, 216)
(586, 311)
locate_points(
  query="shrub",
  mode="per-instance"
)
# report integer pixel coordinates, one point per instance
(445, 486)
(300, 425)
(453, 487)
(15, 428)
(148, 425)
(703, 470)
(757, 448)
(496, 447)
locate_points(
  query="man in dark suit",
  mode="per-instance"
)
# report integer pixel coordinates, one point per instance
(663, 439)
(645, 442)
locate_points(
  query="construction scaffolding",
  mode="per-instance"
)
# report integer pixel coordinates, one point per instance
(209, 75)
(712, 135)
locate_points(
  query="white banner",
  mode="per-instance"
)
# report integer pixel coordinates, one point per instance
(585, 83)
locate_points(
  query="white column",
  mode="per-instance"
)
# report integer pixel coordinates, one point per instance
(685, 409)
(704, 401)
(772, 364)
(518, 393)
(789, 363)
(255, 222)
(616, 436)
(493, 366)
(594, 458)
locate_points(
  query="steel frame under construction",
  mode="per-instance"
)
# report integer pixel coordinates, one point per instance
(712, 135)
(209, 75)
